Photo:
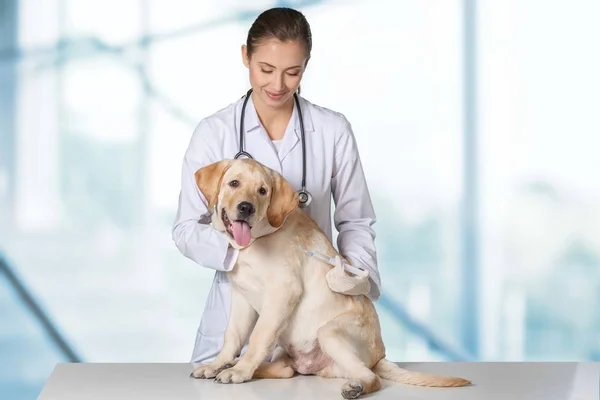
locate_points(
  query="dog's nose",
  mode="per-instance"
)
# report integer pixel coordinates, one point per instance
(245, 209)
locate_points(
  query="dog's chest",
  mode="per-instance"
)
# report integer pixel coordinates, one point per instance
(249, 280)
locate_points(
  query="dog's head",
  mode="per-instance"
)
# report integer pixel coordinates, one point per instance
(251, 199)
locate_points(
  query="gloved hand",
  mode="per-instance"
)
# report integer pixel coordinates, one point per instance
(343, 282)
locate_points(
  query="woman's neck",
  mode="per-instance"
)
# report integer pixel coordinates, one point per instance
(274, 120)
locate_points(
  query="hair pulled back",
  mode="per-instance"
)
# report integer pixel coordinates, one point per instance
(282, 23)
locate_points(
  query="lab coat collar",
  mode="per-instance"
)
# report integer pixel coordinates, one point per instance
(251, 121)
(293, 133)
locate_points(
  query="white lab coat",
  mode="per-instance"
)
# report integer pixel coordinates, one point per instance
(333, 169)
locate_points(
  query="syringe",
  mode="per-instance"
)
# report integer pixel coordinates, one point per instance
(331, 261)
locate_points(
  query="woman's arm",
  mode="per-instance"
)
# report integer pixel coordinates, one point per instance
(354, 215)
(198, 241)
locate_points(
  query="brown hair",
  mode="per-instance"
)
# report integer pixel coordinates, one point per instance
(282, 23)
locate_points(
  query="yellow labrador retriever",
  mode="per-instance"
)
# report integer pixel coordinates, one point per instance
(284, 295)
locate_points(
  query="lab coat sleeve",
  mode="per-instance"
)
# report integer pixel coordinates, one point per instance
(198, 241)
(354, 215)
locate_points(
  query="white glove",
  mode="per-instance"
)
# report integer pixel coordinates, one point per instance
(340, 281)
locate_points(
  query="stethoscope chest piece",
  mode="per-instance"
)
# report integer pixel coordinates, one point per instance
(304, 198)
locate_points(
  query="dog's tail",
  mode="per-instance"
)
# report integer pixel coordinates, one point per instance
(388, 370)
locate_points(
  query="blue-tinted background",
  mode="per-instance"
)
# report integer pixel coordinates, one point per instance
(478, 129)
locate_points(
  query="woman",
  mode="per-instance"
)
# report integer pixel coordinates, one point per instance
(276, 53)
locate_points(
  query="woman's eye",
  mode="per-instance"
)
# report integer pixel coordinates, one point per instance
(266, 72)
(262, 191)
(234, 183)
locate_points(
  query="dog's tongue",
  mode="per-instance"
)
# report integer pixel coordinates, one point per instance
(241, 233)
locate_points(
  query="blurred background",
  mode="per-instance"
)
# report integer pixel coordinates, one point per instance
(477, 124)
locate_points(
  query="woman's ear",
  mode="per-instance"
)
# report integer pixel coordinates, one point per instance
(284, 200)
(245, 59)
(208, 179)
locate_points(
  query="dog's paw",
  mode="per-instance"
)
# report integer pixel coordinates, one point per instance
(210, 370)
(234, 375)
(352, 389)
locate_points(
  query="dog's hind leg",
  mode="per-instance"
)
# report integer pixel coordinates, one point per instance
(278, 367)
(341, 340)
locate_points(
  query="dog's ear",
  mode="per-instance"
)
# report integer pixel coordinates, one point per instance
(284, 200)
(208, 179)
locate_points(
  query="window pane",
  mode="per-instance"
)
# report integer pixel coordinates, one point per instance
(28, 356)
(540, 189)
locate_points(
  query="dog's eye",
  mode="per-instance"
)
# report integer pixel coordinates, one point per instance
(234, 183)
(262, 191)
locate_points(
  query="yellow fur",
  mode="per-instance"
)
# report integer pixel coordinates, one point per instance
(284, 295)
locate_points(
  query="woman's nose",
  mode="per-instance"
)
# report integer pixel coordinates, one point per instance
(279, 83)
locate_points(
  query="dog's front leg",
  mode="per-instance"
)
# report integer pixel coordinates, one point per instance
(242, 318)
(278, 304)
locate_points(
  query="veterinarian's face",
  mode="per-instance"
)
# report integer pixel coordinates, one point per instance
(243, 202)
(276, 69)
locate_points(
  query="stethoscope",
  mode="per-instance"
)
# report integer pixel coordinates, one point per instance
(304, 197)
